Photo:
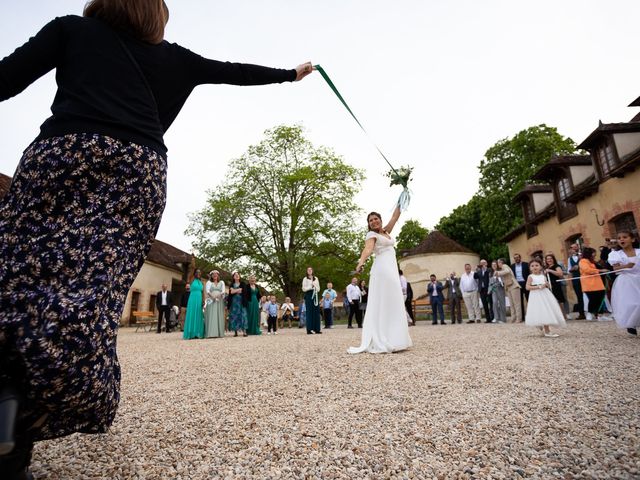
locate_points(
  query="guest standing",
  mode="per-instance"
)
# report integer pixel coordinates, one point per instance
(543, 309)
(272, 316)
(194, 322)
(483, 273)
(164, 304)
(469, 287)
(214, 310)
(452, 284)
(554, 273)
(573, 265)
(496, 288)
(364, 294)
(236, 302)
(310, 288)
(333, 294)
(592, 285)
(407, 295)
(625, 297)
(253, 307)
(434, 292)
(521, 272)
(353, 294)
(512, 287)
(302, 314)
(327, 310)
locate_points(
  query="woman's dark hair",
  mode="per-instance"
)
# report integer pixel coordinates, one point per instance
(370, 215)
(306, 273)
(555, 260)
(589, 253)
(142, 19)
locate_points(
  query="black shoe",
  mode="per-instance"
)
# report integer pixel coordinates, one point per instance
(471, 321)
(350, 326)
(319, 332)
(235, 334)
(632, 331)
(434, 323)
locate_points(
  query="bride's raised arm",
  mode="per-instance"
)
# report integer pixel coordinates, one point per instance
(394, 218)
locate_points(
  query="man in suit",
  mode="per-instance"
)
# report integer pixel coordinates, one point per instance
(512, 288)
(164, 303)
(482, 275)
(520, 271)
(454, 295)
(434, 292)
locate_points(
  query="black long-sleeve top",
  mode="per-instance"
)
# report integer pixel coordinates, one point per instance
(100, 90)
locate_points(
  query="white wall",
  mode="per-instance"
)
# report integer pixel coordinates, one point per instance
(626, 143)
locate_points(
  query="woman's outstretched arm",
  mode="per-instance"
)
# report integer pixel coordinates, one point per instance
(394, 218)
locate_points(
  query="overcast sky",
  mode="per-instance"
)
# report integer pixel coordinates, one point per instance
(436, 83)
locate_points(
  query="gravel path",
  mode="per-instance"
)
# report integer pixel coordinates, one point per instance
(467, 401)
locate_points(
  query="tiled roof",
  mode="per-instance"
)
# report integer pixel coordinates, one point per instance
(437, 242)
(167, 255)
(5, 183)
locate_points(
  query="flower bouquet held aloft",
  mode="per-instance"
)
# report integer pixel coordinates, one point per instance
(401, 176)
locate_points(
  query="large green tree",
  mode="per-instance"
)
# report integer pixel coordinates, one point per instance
(284, 205)
(506, 166)
(410, 236)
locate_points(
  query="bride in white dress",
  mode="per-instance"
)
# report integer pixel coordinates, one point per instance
(385, 327)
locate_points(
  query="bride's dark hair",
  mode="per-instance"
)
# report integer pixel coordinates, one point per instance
(371, 215)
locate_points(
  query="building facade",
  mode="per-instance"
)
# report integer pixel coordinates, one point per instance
(582, 199)
(437, 254)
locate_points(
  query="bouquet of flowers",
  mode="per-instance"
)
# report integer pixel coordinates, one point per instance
(401, 176)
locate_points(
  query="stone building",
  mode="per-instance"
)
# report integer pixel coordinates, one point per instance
(583, 198)
(437, 254)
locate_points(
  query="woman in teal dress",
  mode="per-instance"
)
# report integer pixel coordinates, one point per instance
(214, 310)
(236, 302)
(253, 308)
(194, 322)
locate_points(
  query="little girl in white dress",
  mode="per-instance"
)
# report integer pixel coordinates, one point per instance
(625, 296)
(542, 309)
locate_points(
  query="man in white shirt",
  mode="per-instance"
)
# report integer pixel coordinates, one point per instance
(469, 288)
(353, 295)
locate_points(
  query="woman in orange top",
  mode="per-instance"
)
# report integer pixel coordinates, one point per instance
(592, 286)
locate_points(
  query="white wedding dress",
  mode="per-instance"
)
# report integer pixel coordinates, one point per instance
(385, 327)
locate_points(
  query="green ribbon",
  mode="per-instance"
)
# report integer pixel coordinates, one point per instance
(335, 90)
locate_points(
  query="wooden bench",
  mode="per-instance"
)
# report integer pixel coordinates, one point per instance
(144, 320)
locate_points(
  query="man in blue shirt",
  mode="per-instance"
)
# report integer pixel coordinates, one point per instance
(272, 318)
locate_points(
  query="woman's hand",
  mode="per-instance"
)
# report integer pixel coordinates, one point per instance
(303, 70)
(359, 268)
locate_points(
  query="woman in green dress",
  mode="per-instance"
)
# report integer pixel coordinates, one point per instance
(253, 308)
(214, 310)
(194, 322)
(236, 302)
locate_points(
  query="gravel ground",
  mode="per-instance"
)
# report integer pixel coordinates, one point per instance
(467, 401)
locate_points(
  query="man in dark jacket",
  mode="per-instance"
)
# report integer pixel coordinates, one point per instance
(434, 293)
(455, 297)
(164, 303)
(482, 275)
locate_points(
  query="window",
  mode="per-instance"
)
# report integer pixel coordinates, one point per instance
(624, 221)
(607, 159)
(577, 238)
(532, 230)
(566, 209)
(528, 210)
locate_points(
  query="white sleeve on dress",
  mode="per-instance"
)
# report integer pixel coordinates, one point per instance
(370, 234)
(614, 258)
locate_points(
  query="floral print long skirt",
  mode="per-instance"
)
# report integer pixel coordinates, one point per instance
(75, 227)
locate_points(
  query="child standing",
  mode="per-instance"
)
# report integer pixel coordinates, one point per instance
(272, 319)
(543, 309)
(327, 310)
(625, 297)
